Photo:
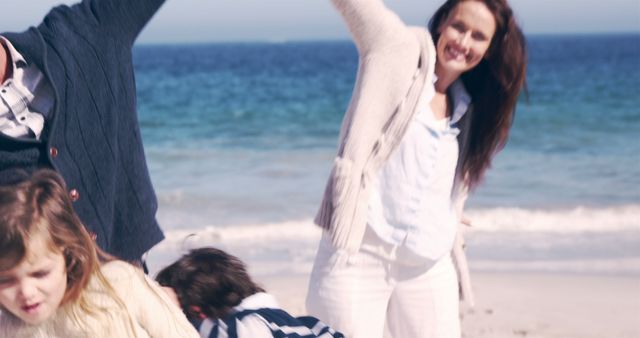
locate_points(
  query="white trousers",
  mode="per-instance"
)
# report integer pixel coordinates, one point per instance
(357, 294)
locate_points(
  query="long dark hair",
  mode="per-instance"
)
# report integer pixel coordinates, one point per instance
(494, 85)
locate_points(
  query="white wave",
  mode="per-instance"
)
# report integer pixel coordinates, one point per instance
(575, 220)
(264, 247)
(303, 231)
(578, 219)
(290, 246)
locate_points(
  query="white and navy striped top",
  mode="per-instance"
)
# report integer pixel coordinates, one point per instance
(259, 316)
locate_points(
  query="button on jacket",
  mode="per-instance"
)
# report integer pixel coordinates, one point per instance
(92, 136)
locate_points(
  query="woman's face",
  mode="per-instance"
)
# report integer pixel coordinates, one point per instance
(465, 37)
(33, 290)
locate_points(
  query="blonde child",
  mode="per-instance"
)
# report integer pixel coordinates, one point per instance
(55, 282)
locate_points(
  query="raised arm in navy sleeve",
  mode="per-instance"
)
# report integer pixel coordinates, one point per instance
(120, 19)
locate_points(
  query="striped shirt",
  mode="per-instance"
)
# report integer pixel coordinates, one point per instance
(26, 98)
(258, 316)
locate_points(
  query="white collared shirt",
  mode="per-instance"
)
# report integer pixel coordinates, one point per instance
(25, 98)
(410, 204)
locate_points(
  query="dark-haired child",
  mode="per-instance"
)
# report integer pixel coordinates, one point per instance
(218, 296)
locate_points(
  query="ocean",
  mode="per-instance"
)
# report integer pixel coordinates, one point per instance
(240, 139)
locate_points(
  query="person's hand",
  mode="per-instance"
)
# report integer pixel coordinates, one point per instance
(465, 221)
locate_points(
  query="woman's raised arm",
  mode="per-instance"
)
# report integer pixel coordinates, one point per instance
(372, 25)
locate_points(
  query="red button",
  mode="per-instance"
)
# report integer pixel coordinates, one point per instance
(53, 151)
(74, 195)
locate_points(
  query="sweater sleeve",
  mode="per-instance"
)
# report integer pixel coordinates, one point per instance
(372, 25)
(388, 55)
(150, 308)
(121, 19)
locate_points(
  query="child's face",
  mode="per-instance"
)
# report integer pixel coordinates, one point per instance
(33, 290)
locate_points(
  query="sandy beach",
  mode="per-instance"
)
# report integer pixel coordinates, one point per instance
(582, 297)
(533, 305)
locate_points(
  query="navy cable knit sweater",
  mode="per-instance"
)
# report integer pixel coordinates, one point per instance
(92, 136)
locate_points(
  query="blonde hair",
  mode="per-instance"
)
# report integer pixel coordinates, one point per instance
(38, 205)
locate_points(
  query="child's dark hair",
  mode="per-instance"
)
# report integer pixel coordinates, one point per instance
(208, 282)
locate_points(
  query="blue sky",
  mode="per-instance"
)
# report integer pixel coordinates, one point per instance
(281, 20)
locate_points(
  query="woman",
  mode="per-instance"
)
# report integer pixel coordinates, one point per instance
(428, 113)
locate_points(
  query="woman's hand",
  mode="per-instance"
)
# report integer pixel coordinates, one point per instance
(465, 221)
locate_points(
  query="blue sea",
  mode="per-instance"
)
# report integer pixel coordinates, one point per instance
(240, 139)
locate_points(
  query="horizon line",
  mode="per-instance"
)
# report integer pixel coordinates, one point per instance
(328, 40)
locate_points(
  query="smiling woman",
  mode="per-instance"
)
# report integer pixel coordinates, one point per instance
(427, 115)
(465, 37)
(493, 83)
